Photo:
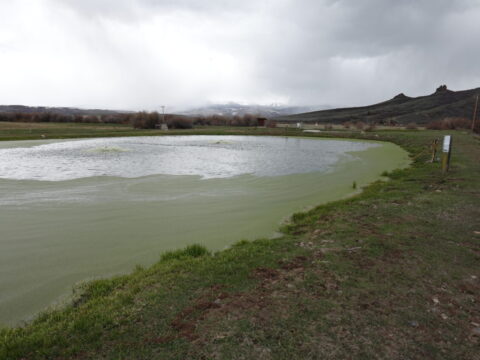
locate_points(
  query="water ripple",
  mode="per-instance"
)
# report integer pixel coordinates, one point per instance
(204, 156)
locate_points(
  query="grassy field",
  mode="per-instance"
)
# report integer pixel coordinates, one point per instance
(36, 131)
(392, 273)
(39, 131)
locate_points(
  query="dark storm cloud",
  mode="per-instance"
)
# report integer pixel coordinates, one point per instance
(142, 53)
(361, 51)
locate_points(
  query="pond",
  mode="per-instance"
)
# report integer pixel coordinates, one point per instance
(73, 210)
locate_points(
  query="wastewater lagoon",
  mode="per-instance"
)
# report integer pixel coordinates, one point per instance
(74, 210)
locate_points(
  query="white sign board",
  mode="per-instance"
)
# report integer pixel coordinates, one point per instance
(446, 143)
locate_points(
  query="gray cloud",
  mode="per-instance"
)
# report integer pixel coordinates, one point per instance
(144, 53)
(129, 10)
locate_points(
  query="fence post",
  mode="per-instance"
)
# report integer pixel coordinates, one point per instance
(475, 113)
(434, 149)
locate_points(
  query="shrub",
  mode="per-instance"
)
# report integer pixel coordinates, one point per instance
(64, 117)
(411, 126)
(245, 120)
(145, 120)
(371, 127)
(236, 121)
(328, 127)
(91, 119)
(139, 120)
(179, 122)
(434, 125)
(217, 120)
(458, 123)
(450, 124)
(200, 120)
(250, 120)
(271, 124)
(210, 120)
(347, 125)
(359, 125)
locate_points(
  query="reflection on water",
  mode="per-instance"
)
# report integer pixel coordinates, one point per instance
(104, 205)
(205, 156)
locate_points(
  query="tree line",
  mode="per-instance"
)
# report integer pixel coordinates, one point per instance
(139, 120)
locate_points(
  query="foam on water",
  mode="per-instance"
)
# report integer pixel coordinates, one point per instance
(205, 156)
(107, 149)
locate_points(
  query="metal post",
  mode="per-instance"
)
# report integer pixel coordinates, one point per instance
(164, 124)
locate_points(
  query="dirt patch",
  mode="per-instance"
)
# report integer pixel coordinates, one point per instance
(264, 300)
(296, 263)
(265, 273)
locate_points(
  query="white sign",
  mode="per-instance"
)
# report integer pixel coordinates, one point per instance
(446, 143)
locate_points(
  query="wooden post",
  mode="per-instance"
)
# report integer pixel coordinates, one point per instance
(475, 113)
(446, 153)
(434, 149)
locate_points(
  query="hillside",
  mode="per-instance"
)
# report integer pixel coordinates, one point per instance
(234, 109)
(227, 110)
(401, 109)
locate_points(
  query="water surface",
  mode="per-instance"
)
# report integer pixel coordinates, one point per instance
(205, 156)
(77, 209)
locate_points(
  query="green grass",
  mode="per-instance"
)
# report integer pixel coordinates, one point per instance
(37, 131)
(191, 251)
(391, 273)
(41, 131)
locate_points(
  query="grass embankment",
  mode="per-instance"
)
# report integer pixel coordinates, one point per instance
(45, 131)
(392, 273)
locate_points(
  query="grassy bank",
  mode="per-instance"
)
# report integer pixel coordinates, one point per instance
(391, 273)
(41, 131)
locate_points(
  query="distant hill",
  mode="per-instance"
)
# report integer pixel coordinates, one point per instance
(401, 109)
(228, 110)
(234, 109)
(55, 110)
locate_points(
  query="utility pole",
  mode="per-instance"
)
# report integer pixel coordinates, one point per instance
(475, 113)
(164, 125)
(163, 114)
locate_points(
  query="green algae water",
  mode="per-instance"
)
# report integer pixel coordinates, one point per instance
(81, 209)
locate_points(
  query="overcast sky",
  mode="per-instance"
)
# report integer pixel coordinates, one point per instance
(140, 54)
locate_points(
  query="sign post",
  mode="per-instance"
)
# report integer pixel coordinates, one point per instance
(446, 152)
